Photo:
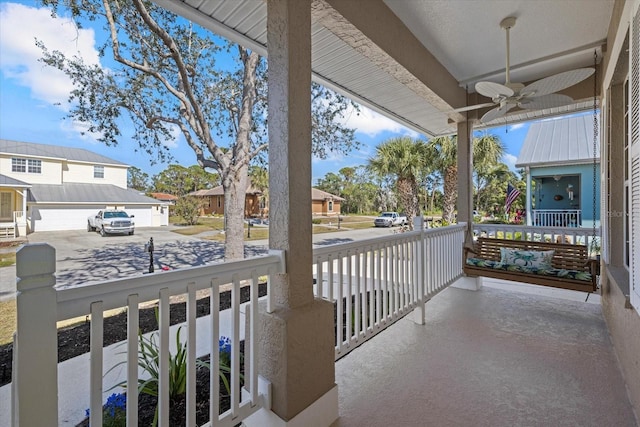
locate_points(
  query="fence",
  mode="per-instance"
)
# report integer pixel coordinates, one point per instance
(557, 217)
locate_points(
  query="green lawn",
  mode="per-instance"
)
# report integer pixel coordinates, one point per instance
(7, 259)
(321, 225)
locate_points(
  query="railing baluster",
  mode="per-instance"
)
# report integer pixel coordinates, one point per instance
(163, 375)
(191, 355)
(96, 361)
(253, 338)
(214, 358)
(235, 346)
(133, 326)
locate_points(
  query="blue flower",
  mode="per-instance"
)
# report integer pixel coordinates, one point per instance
(114, 402)
(224, 344)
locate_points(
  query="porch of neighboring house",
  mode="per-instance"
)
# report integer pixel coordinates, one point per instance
(13, 208)
(562, 165)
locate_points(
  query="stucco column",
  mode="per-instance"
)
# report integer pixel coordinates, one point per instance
(528, 202)
(297, 337)
(465, 173)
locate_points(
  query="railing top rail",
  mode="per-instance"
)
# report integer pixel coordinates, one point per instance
(557, 210)
(384, 240)
(73, 302)
(537, 229)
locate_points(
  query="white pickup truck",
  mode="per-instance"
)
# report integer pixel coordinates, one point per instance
(111, 221)
(389, 219)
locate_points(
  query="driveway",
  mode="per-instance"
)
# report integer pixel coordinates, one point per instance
(83, 257)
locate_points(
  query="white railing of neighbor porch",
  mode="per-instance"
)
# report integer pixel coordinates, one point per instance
(571, 235)
(376, 282)
(40, 304)
(557, 217)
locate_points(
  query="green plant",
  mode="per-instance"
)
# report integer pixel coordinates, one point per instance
(189, 209)
(149, 362)
(114, 411)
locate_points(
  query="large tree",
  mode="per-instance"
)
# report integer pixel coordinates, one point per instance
(165, 80)
(137, 179)
(180, 181)
(405, 159)
(487, 149)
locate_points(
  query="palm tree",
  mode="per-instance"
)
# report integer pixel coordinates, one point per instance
(259, 177)
(446, 149)
(487, 150)
(405, 159)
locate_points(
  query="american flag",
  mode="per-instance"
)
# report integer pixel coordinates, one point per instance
(512, 195)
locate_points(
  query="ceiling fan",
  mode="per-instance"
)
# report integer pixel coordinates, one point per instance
(535, 96)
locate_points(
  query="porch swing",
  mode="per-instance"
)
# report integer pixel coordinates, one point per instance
(559, 265)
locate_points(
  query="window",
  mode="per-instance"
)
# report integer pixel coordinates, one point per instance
(18, 165)
(330, 205)
(98, 171)
(26, 166)
(34, 166)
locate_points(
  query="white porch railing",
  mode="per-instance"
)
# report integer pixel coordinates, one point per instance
(19, 217)
(557, 217)
(376, 282)
(572, 235)
(373, 283)
(35, 393)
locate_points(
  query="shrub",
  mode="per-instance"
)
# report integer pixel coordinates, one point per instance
(188, 208)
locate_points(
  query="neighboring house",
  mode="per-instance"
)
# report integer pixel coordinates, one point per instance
(326, 204)
(557, 156)
(47, 187)
(322, 203)
(164, 197)
(213, 201)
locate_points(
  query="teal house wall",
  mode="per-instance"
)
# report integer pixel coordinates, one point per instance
(581, 177)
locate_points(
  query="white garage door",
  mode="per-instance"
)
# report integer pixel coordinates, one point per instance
(142, 216)
(56, 218)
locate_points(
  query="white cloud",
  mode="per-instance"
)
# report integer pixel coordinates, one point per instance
(176, 134)
(510, 160)
(371, 123)
(20, 26)
(516, 126)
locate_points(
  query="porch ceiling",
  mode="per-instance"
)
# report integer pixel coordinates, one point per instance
(414, 61)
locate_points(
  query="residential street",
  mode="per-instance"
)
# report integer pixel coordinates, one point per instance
(83, 257)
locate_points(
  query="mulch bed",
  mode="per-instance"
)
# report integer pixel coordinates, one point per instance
(74, 341)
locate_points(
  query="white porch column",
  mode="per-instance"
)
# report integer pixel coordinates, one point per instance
(528, 203)
(465, 173)
(297, 337)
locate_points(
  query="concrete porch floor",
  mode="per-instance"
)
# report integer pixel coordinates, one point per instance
(493, 357)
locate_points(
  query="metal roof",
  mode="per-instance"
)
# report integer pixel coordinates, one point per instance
(54, 152)
(78, 193)
(6, 181)
(565, 141)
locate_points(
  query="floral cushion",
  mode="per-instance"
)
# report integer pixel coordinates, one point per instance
(524, 258)
(551, 272)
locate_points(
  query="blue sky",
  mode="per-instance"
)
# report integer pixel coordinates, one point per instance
(33, 98)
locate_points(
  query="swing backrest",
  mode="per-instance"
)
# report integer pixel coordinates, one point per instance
(566, 256)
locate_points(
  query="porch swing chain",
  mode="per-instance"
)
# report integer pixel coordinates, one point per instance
(592, 247)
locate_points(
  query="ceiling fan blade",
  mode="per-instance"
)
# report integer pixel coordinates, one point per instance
(496, 113)
(556, 82)
(473, 107)
(493, 90)
(547, 101)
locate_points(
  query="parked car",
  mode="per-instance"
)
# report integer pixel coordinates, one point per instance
(389, 219)
(111, 221)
